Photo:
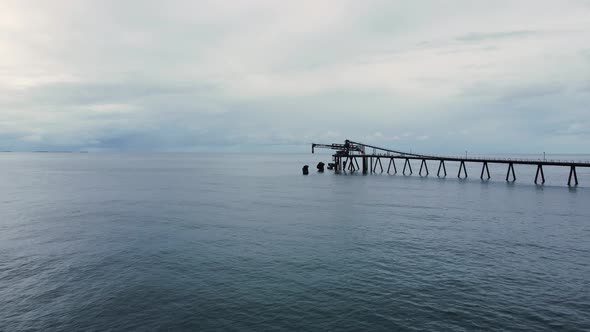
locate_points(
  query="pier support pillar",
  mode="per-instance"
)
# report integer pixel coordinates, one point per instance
(423, 164)
(573, 172)
(350, 164)
(407, 163)
(365, 165)
(510, 170)
(540, 171)
(378, 160)
(462, 167)
(484, 167)
(442, 163)
(392, 162)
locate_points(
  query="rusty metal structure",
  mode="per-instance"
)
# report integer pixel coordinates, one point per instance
(345, 159)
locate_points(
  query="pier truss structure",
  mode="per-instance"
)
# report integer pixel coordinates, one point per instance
(347, 155)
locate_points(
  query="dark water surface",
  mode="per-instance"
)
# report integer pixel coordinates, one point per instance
(95, 242)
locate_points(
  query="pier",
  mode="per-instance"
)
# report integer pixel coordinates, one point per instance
(347, 155)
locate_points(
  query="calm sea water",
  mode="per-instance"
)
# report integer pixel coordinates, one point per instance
(107, 242)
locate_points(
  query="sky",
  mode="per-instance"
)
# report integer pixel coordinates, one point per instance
(431, 76)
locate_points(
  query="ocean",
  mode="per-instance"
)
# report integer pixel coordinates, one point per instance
(244, 242)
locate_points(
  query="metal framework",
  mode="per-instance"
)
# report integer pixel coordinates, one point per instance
(348, 153)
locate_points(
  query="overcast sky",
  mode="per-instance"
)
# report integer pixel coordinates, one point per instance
(432, 76)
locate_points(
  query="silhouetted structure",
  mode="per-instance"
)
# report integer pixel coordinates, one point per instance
(320, 167)
(305, 170)
(349, 152)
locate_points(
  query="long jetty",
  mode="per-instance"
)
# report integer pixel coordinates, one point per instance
(346, 155)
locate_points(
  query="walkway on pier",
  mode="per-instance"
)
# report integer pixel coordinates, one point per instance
(347, 154)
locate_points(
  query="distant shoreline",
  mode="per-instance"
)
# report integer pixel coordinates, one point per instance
(42, 151)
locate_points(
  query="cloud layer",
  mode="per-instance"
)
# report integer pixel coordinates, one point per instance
(500, 76)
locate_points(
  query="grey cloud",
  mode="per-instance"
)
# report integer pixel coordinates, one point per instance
(511, 93)
(491, 36)
(530, 92)
(573, 129)
(96, 93)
